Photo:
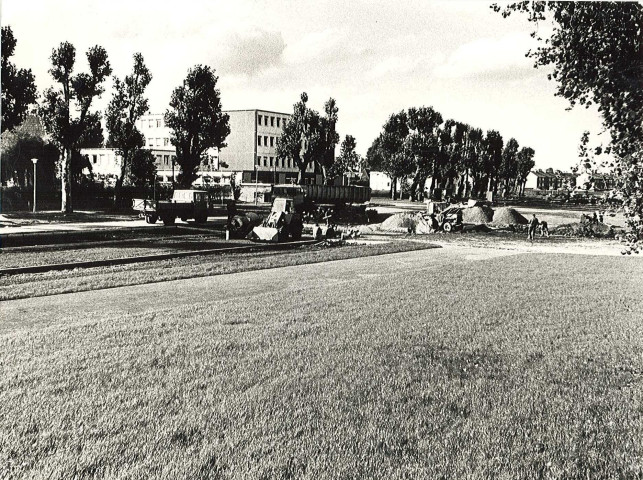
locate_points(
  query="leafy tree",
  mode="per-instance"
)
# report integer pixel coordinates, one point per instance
(20, 145)
(18, 87)
(142, 169)
(330, 137)
(126, 107)
(348, 161)
(303, 138)
(595, 51)
(492, 145)
(525, 159)
(389, 154)
(196, 120)
(509, 163)
(423, 144)
(75, 94)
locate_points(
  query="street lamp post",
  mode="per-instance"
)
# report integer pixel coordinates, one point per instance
(35, 161)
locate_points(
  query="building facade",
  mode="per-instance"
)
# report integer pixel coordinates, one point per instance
(550, 179)
(251, 149)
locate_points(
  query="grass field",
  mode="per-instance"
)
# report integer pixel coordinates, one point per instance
(78, 280)
(519, 366)
(53, 254)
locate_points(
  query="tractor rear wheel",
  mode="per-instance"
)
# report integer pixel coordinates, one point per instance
(296, 230)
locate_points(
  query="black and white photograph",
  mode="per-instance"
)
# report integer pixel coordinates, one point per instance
(321, 239)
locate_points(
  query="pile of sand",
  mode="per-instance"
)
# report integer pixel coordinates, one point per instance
(477, 215)
(423, 226)
(399, 222)
(508, 216)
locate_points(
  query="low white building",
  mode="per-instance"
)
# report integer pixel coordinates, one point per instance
(380, 183)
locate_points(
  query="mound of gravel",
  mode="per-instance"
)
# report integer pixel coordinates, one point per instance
(399, 221)
(584, 230)
(508, 216)
(477, 215)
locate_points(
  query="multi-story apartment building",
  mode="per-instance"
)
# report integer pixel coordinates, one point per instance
(252, 148)
(250, 151)
(157, 138)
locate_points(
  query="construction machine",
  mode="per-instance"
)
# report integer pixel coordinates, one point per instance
(284, 222)
(450, 219)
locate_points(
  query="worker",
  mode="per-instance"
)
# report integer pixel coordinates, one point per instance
(435, 226)
(600, 216)
(533, 224)
(544, 229)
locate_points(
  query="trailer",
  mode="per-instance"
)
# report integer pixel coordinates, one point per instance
(325, 194)
(185, 204)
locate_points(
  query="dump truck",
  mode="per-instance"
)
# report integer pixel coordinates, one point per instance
(185, 204)
(284, 222)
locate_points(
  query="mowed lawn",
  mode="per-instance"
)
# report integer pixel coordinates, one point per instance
(430, 364)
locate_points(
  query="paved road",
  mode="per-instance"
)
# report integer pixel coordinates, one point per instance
(41, 311)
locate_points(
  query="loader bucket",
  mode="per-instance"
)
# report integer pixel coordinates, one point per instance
(264, 234)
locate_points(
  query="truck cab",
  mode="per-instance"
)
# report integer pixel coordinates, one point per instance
(197, 197)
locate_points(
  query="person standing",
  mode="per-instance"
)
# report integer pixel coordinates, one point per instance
(532, 226)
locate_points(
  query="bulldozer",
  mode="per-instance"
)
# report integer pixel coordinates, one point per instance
(283, 223)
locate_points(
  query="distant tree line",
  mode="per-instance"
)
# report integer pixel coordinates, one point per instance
(418, 144)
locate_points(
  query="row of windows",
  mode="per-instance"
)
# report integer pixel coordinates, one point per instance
(266, 139)
(270, 121)
(165, 159)
(273, 162)
(153, 122)
(150, 142)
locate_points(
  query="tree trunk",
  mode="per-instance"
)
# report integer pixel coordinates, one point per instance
(65, 179)
(432, 187)
(119, 181)
(393, 187)
(414, 185)
(301, 176)
(324, 170)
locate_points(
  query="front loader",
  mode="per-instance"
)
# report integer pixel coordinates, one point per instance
(284, 222)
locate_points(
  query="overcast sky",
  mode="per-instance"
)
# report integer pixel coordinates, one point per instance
(373, 57)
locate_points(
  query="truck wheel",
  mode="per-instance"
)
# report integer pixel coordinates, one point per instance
(168, 220)
(184, 219)
(447, 227)
(201, 219)
(151, 219)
